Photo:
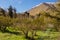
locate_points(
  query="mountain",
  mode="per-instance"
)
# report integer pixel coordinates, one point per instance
(46, 7)
(57, 5)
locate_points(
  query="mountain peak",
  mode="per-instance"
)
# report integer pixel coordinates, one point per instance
(45, 3)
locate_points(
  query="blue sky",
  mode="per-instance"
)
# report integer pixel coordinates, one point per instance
(22, 5)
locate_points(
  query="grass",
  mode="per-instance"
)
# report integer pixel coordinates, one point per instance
(41, 36)
(7, 36)
(48, 35)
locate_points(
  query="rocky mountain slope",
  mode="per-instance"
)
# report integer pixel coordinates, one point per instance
(49, 8)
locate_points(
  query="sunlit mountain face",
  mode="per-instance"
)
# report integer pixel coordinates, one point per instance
(47, 7)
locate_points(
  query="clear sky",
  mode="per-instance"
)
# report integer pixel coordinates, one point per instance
(22, 5)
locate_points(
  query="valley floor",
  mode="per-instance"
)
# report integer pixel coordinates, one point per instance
(41, 36)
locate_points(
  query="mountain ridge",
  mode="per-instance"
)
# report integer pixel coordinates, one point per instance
(47, 7)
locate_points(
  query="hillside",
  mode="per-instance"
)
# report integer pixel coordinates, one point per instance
(49, 8)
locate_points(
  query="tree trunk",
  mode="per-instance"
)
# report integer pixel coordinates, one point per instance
(3, 28)
(26, 35)
(32, 38)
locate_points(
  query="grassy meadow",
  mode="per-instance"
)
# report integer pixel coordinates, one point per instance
(41, 36)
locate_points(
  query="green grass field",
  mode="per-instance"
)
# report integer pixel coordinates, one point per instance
(8, 36)
(41, 36)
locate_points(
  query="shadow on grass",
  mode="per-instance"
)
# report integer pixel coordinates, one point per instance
(29, 38)
(45, 38)
(16, 33)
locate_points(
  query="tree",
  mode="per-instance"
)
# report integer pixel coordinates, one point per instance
(21, 26)
(10, 9)
(57, 25)
(24, 26)
(54, 20)
(6, 22)
(2, 11)
(15, 15)
(26, 14)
